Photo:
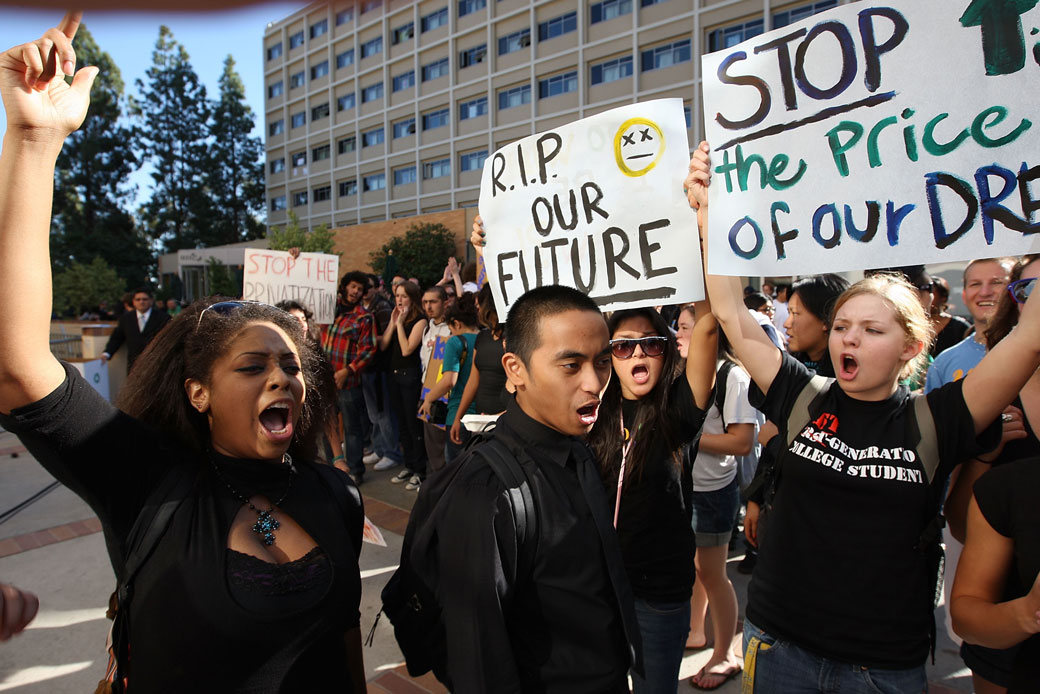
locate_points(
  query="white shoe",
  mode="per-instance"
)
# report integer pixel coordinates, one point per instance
(386, 463)
(370, 458)
(403, 476)
(413, 484)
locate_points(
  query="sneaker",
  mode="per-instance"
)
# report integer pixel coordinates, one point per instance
(370, 458)
(402, 476)
(413, 484)
(385, 463)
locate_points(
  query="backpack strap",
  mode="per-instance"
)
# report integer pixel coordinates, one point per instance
(518, 489)
(928, 443)
(807, 402)
(721, 379)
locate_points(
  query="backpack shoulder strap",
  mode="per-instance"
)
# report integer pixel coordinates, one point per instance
(928, 443)
(804, 405)
(721, 380)
(518, 489)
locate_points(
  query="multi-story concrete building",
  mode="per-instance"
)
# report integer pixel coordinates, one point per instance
(383, 109)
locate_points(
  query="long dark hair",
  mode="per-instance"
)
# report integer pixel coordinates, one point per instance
(1006, 316)
(606, 438)
(487, 313)
(415, 297)
(187, 348)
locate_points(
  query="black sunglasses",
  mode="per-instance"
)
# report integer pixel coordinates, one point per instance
(1021, 289)
(625, 347)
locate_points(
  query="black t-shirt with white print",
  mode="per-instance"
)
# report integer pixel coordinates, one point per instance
(837, 572)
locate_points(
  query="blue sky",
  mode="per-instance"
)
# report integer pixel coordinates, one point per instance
(129, 37)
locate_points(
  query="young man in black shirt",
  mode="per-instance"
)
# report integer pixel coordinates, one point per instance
(567, 622)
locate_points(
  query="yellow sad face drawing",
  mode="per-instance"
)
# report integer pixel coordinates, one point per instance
(638, 146)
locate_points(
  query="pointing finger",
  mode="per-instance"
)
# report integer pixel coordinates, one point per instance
(69, 24)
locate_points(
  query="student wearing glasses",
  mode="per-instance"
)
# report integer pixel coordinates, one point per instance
(652, 409)
(254, 583)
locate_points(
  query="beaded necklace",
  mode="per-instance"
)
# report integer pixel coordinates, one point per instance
(265, 524)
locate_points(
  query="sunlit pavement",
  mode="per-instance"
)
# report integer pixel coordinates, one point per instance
(53, 548)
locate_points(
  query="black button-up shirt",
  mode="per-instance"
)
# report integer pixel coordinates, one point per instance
(558, 629)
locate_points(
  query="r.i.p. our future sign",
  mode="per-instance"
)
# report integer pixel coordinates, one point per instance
(876, 134)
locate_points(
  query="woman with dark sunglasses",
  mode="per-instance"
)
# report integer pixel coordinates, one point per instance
(253, 583)
(652, 409)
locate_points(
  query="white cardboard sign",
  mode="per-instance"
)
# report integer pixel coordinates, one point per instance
(311, 279)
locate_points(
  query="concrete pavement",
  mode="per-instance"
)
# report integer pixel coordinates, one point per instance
(53, 547)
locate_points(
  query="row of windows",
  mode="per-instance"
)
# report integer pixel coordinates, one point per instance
(732, 35)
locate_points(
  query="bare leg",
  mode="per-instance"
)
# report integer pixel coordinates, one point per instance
(711, 574)
(698, 611)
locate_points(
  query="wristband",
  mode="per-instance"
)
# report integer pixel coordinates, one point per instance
(339, 457)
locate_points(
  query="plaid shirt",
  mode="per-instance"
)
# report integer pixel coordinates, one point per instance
(350, 340)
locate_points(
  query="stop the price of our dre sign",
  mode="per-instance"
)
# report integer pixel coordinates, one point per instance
(598, 205)
(273, 276)
(876, 134)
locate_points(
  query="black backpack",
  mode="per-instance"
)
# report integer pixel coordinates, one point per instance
(409, 600)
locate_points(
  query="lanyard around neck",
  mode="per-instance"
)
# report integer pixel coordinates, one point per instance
(629, 440)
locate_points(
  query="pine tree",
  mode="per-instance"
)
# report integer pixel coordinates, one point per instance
(236, 169)
(174, 114)
(90, 218)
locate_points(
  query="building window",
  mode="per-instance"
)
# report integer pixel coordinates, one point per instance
(319, 28)
(469, 6)
(402, 33)
(732, 35)
(320, 70)
(276, 127)
(558, 84)
(299, 159)
(434, 20)
(298, 79)
(516, 96)
(320, 111)
(404, 80)
(473, 56)
(372, 137)
(436, 169)
(404, 175)
(277, 165)
(474, 108)
(321, 153)
(347, 188)
(648, 3)
(558, 26)
(689, 115)
(435, 119)
(372, 92)
(346, 145)
(345, 58)
(370, 5)
(344, 16)
(373, 47)
(782, 19)
(323, 193)
(611, 70)
(375, 182)
(275, 89)
(404, 128)
(298, 119)
(278, 203)
(514, 42)
(609, 9)
(473, 161)
(345, 102)
(665, 56)
(435, 69)
(296, 40)
(299, 198)
(274, 51)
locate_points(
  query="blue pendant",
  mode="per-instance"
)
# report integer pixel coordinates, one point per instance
(266, 525)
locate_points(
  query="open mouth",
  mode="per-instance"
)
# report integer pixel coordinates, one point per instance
(276, 421)
(640, 374)
(589, 413)
(849, 367)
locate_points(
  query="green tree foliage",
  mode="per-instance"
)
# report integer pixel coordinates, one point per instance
(82, 286)
(292, 235)
(90, 219)
(235, 174)
(422, 252)
(222, 280)
(174, 114)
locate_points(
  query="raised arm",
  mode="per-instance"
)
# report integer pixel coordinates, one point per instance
(42, 109)
(702, 354)
(750, 343)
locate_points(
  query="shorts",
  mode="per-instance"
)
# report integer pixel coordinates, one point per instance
(991, 664)
(715, 514)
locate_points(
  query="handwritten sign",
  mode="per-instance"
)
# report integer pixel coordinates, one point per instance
(434, 372)
(273, 276)
(874, 135)
(597, 205)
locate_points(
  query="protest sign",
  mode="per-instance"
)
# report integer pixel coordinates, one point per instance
(873, 135)
(598, 205)
(433, 374)
(311, 278)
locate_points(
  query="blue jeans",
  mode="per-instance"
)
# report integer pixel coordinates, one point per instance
(352, 407)
(376, 389)
(780, 666)
(663, 627)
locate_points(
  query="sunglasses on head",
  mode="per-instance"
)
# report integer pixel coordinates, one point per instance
(226, 307)
(1021, 289)
(625, 347)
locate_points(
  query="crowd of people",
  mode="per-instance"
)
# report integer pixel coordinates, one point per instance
(243, 432)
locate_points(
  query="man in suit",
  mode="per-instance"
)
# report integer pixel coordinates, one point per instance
(136, 328)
